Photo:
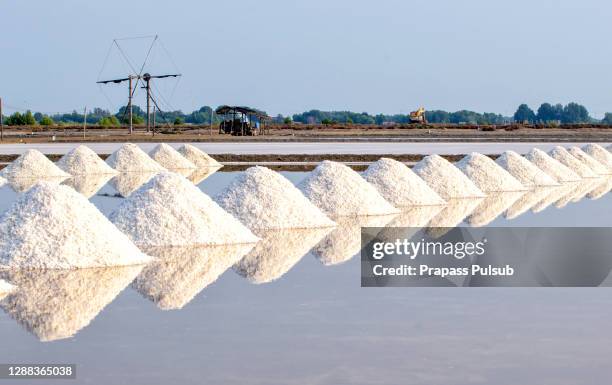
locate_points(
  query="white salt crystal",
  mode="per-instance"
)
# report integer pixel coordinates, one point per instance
(552, 167)
(130, 158)
(524, 171)
(170, 159)
(446, 179)
(83, 161)
(399, 185)
(54, 227)
(599, 153)
(264, 199)
(170, 211)
(340, 191)
(32, 165)
(562, 155)
(487, 175)
(589, 161)
(198, 157)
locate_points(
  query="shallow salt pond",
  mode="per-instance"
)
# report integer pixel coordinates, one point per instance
(284, 314)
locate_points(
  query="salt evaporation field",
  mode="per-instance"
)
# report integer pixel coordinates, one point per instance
(295, 295)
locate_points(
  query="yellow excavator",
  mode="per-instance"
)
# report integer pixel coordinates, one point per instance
(418, 116)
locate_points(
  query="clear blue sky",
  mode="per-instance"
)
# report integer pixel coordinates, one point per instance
(288, 56)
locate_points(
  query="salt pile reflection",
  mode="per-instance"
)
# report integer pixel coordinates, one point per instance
(88, 185)
(527, 201)
(491, 207)
(453, 214)
(20, 185)
(56, 304)
(180, 273)
(277, 253)
(344, 241)
(128, 182)
(197, 176)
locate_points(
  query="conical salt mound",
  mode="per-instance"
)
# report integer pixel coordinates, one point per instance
(264, 199)
(599, 153)
(170, 211)
(179, 274)
(445, 179)
(56, 304)
(130, 158)
(552, 167)
(277, 253)
(54, 227)
(487, 175)
(399, 185)
(32, 164)
(170, 159)
(339, 191)
(198, 157)
(88, 185)
(589, 161)
(83, 161)
(344, 241)
(562, 155)
(524, 171)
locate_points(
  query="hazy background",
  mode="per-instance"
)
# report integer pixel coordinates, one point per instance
(386, 56)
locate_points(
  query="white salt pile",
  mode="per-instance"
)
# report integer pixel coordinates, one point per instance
(524, 171)
(399, 185)
(277, 253)
(487, 175)
(445, 179)
(264, 199)
(552, 167)
(54, 227)
(32, 165)
(344, 241)
(562, 155)
(599, 153)
(198, 157)
(170, 211)
(170, 159)
(180, 273)
(589, 161)
(89, 184)
(130, 158)
(339, 191)
(56, 304)
(83, 161)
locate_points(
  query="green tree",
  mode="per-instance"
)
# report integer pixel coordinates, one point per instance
(178, 121)
(287, 120)
(524, 114)
(109, 121)
(607, 119)
(46, 121)
(575, 113)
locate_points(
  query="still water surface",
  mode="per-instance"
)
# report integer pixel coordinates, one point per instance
(303, 319)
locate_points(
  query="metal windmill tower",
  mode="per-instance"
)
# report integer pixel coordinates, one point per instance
(146, 78)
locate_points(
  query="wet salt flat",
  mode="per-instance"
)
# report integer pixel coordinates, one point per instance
(292, 310)
(308, 148)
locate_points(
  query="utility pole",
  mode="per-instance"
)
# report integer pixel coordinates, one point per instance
(130, 104)
(1, 122)
(84, 121)
(147, 79)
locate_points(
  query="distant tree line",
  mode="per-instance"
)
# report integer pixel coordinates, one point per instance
(557, 114)
(545, 114)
